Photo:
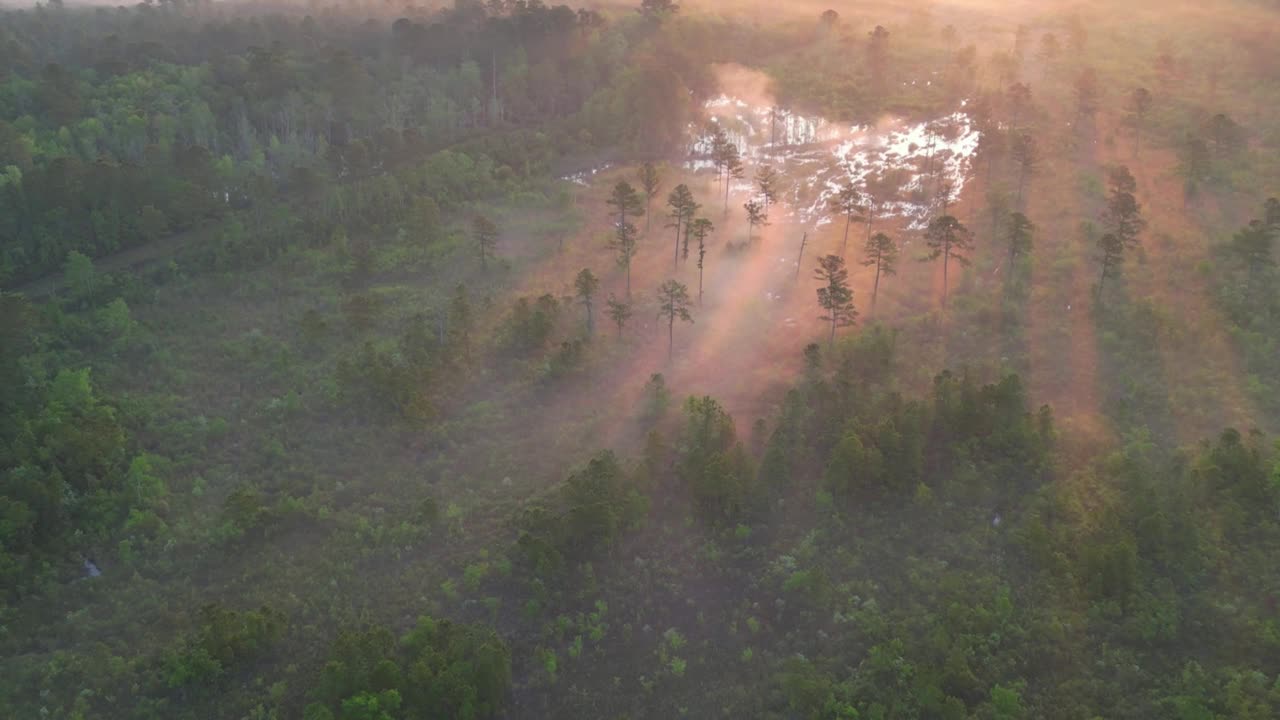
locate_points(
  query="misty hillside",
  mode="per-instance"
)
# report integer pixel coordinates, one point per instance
(888, 360)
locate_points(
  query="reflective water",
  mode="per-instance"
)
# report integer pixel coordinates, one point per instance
(909, 169)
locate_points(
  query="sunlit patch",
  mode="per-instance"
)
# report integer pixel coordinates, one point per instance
(916, 167)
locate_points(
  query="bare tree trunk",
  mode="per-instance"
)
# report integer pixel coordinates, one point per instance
(946, 260)
(675, 263)
(671, 335)
(875, 287)
(800, 259)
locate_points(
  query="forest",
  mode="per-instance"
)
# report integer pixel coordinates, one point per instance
(874, 360)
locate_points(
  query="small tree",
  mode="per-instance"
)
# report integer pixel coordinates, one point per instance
(682, 207)
(586, 285)
(869, 204)
(1224, 135)
(756, 216)
(1123, 214)
(767, 183)
(673, 304)
(733, 170)
(1027, 157)
(846, 202)
(720, 149)
(618, 311)
(624, 202)
(835, 296)
(1139, 105)
(1253, 247)
(878, 58)
(1112, 249)
(700, 229)
(650, 181)
(946, 238)
(624, 244)
(486, 237)
(1194, 164)
(882, 252)
(78, 275)
(1019, 236)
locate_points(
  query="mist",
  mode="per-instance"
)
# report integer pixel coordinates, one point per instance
(816, 360)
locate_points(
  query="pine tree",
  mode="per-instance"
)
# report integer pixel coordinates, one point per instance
(486, 237)
(835, 296)
(846, 202)
(756, 217)
(682, 207)
(586, 285)
(767, 183)
(699, 229)
(650, 182)
(618, 311)
(946, 238)
(882, 252)
(624, 203)
(673, 304)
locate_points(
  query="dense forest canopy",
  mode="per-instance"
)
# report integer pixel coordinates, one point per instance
(901, 359)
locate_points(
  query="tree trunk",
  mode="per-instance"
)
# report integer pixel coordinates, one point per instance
(628, 279)
(675, 263)
(844, 246)
(875, 287)
(800, 259)
(946, 260)
(671, 335)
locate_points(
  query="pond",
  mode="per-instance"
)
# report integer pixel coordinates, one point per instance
(910, 169)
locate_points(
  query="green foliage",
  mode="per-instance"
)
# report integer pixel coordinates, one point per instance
(587, 513)
(529, 326)
(225, 638)
(713, 464)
